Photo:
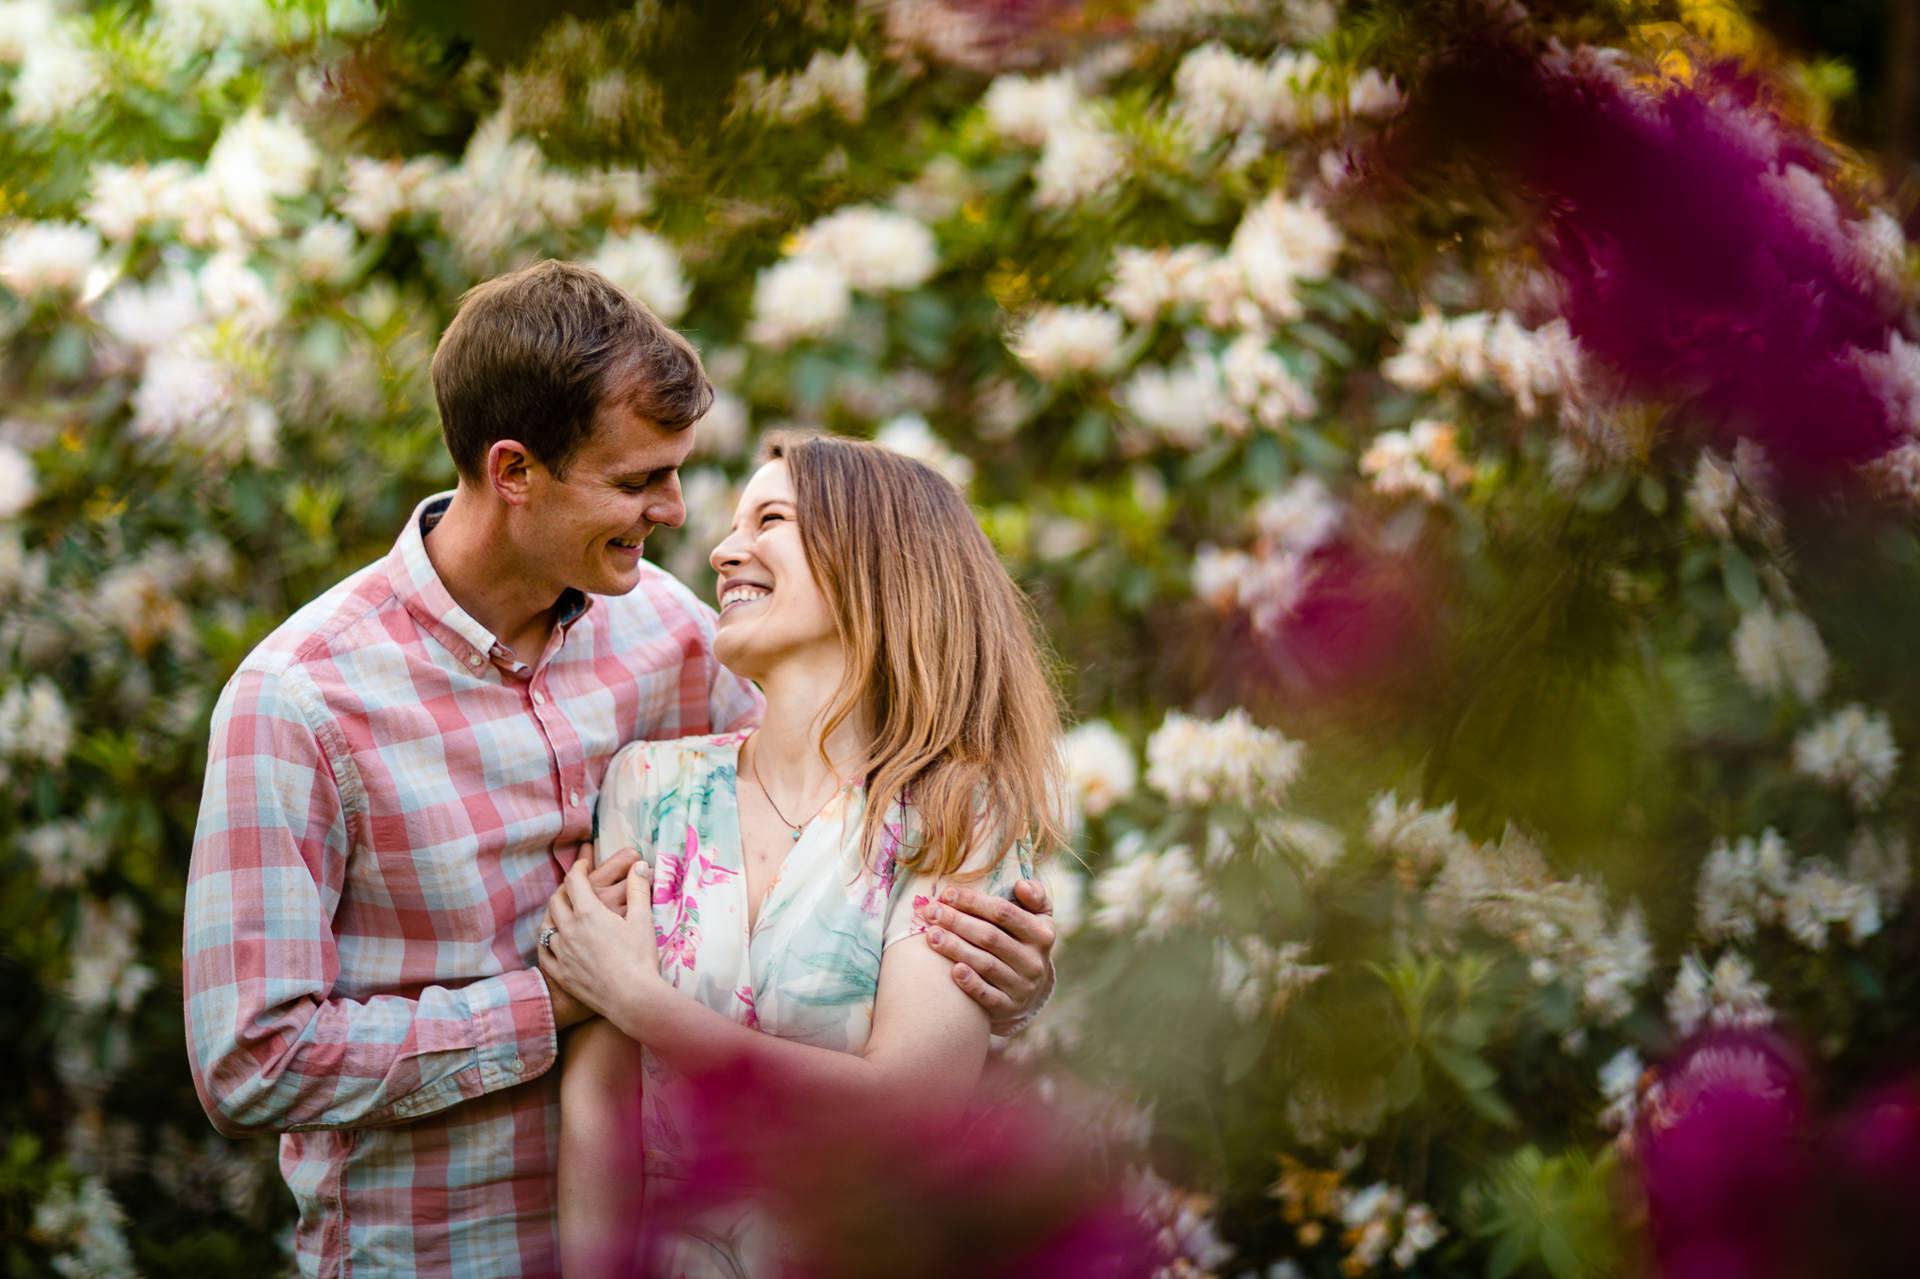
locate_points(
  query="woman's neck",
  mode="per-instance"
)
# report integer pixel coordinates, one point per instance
(786, 746)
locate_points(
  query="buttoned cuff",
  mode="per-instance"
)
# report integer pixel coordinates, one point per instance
(516, 1039)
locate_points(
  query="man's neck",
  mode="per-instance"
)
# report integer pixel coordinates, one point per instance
(471, 552)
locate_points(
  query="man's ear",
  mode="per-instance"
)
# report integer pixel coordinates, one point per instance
(510, 471)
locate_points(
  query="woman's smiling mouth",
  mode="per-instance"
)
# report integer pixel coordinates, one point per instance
(742, 593)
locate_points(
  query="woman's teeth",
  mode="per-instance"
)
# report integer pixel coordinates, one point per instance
(742, 594)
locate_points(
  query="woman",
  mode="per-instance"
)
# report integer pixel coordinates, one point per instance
(908, 743)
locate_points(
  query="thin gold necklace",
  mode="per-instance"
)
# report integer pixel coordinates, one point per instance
(753, 769)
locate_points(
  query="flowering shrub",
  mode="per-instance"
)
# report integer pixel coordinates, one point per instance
(1484, 684)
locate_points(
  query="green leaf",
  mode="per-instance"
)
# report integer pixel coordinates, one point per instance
(1557, 1251)
(1244, 1050)
(1653, 494)
(1603, 494)
(1466, 1069)
(1508, 1253)
(1741, 582)
(1403, 1085)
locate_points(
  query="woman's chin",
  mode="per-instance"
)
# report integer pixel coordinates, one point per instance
(738, 657)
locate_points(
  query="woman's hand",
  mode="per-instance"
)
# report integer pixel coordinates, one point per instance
(607, 962)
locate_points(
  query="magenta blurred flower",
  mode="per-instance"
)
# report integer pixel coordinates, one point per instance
(1007, 1189)
(1743, 1180)
(1703, 257)
(1724, 1161)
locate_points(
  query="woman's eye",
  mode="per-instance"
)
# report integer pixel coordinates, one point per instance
(771, 515)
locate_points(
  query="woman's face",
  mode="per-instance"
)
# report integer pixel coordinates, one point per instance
(771, 608)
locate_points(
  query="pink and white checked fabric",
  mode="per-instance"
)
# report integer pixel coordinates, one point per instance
(390, 800)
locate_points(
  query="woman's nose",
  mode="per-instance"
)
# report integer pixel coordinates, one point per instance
(728, 554)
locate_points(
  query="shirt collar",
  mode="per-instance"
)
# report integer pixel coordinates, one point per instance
(421, 592)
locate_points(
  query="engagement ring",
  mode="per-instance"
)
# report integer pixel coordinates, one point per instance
(546, 937)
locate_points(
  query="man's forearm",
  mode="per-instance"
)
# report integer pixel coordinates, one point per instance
(339, 1063)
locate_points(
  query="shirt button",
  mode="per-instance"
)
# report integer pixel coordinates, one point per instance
(573, 797)
(515, 1066)
(473, 659)
(539, 698)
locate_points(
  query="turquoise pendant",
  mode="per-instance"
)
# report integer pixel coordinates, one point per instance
(796, 835)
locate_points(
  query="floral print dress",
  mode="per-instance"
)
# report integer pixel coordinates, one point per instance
(808, 969)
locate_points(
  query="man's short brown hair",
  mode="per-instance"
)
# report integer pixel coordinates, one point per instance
(532, 354)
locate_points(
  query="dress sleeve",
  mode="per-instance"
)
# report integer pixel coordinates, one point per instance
(623, 817)
(985, 870)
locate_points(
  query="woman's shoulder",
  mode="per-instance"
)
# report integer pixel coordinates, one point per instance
(641, 761)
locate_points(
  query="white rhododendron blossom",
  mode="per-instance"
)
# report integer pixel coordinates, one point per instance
(48, 257)
(1727, 996)
(191, 398)
(380, 191)
(1217, 92)
(35, 724)
(1301, 517)
(1080, 161)
(125, 200)
(1561, 926)
(1152, 895)
(147, 316)
(1028, 111)
(324, 252)
(647, 267)
(1184, 403)
(1488, 350)
(1259, 979)
(1780, 653)
(106, 974)
(259, 159)
(1055, 341)
(231, 289)
(1147, 283)
(1101, 767)
(1259, 384)
(1852, 750)
(1753, 882)
(1279, 243)
(1729, 496)
(1620, 1089)
(1423, 460)
(874, 248)
(798, 298)
(18, 484)
(58, 76)
(834, 82)
(1374, 94)
(1228, 760)
(1425, 839)
(910, 435)
(89, 1226)
(24, 24)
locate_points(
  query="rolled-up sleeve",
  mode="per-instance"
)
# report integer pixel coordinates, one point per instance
(271, 1046)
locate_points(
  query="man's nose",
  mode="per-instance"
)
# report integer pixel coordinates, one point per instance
(670, 508)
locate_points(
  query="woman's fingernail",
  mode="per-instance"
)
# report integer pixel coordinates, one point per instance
(935, 936)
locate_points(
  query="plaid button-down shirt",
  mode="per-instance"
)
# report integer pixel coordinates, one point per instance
(390, 800)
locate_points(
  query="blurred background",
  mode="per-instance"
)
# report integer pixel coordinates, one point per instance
(1463, 455)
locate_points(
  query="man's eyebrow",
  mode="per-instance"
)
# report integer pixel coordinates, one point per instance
(641, 473)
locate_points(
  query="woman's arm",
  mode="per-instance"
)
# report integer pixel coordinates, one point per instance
(928, 1043)
(599, 1118)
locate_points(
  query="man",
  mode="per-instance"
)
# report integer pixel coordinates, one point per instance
(400, 775)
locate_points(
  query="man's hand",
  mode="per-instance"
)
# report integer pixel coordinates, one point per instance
(1002, 950)
(609, 881)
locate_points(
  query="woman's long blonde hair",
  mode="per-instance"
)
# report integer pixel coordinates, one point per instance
(941, 650)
